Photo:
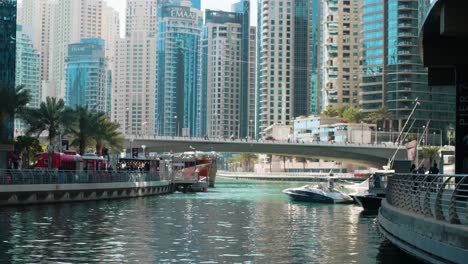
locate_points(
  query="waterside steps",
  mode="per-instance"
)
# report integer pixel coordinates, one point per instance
(427, 216)
(19, 187)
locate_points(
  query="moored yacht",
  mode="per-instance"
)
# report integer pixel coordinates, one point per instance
(318, 194)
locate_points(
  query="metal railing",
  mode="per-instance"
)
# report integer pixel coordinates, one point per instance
(22, 177)
(285, 174)
(441, 197)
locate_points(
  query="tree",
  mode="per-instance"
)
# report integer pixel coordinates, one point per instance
(352, 115)
(27, 148)
(284, 158)
(246, 160)
(106, 133)
(82, 127)
(49, 117)
(331, 112)
(380, 116)
(12, 102)
(303, 161)
(429, 153)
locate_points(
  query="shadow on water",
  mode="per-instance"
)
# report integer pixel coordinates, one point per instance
(389, 254)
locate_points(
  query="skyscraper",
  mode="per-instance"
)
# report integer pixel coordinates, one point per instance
(284, 87)
(35, 14)
(71, 20)
(28, 65)
(227, 75)
(340, 48)
(392, 72)
(178, 70)
(8, 60)
(315, 40)
(134, 70)
(86, 75)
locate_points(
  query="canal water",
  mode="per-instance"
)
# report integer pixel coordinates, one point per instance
(236, 222)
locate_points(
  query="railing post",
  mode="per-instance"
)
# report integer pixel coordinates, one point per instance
(438, 212)
(452, 211)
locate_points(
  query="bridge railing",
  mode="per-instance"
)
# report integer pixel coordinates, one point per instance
(23, 177)
(264, 141)
(440, 197)
(285, 174)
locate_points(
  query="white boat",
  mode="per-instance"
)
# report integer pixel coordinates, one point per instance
(318, 194)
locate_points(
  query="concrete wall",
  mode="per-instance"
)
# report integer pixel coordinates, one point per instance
(428, 239)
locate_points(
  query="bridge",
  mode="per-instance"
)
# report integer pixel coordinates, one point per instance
(375, 155)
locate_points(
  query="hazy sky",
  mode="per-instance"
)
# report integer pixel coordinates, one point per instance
(224, 5)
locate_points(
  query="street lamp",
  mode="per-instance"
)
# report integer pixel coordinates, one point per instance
(177, 131)
(127, 122)
(362, 132)
(144, 128)
(377, 135)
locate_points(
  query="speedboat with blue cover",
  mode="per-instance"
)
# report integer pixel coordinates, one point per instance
(317, 194)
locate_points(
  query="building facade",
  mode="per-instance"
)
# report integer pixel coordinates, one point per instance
(134, 70)
(223, 53)
(8, 59)
(392, 72)
(340, 53)
(28, 70)
(178, 96)
(86, 75)
(284, 50)
(35, 14)
(28, 64)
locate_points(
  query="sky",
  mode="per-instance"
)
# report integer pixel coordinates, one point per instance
(224, 5)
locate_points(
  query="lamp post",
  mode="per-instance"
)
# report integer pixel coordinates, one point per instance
(377, 136)
(362, 132)
(127, 122)
(144, 128)
(177, 126)
(143, 147)
(131, 147)
(423, 137)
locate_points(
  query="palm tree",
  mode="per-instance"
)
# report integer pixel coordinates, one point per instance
(429, 153)
(106, 133)
(381, 115)
(28, 148)
(352, 115)
(82, 127)
(330, 112)
(12, 101)
(303, 161)
(49, 116)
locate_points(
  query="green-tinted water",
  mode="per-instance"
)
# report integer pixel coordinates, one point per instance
(237, 222)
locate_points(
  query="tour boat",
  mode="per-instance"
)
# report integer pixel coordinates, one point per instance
(318, 194)
(371, 198)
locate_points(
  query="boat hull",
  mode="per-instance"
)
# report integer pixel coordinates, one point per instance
(369, 202)
(315, 198)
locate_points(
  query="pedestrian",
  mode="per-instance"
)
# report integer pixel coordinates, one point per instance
(413, 169)
(434, 169)
(421, 170)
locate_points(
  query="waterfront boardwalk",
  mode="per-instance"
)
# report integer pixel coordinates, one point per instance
(284, 176)
(18, 187)
(427, 216)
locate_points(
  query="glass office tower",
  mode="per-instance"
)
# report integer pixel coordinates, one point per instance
(178, 70)
(8, 60)
(86, 75)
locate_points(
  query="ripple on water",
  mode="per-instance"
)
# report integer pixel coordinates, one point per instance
(241, 222)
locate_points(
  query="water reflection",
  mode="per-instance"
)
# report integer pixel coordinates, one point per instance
(236, 222)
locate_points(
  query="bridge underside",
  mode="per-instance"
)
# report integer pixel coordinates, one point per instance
(364, 155)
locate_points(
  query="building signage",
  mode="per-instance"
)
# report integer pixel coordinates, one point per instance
(461, 149)
(178, 12)
(80, 49)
